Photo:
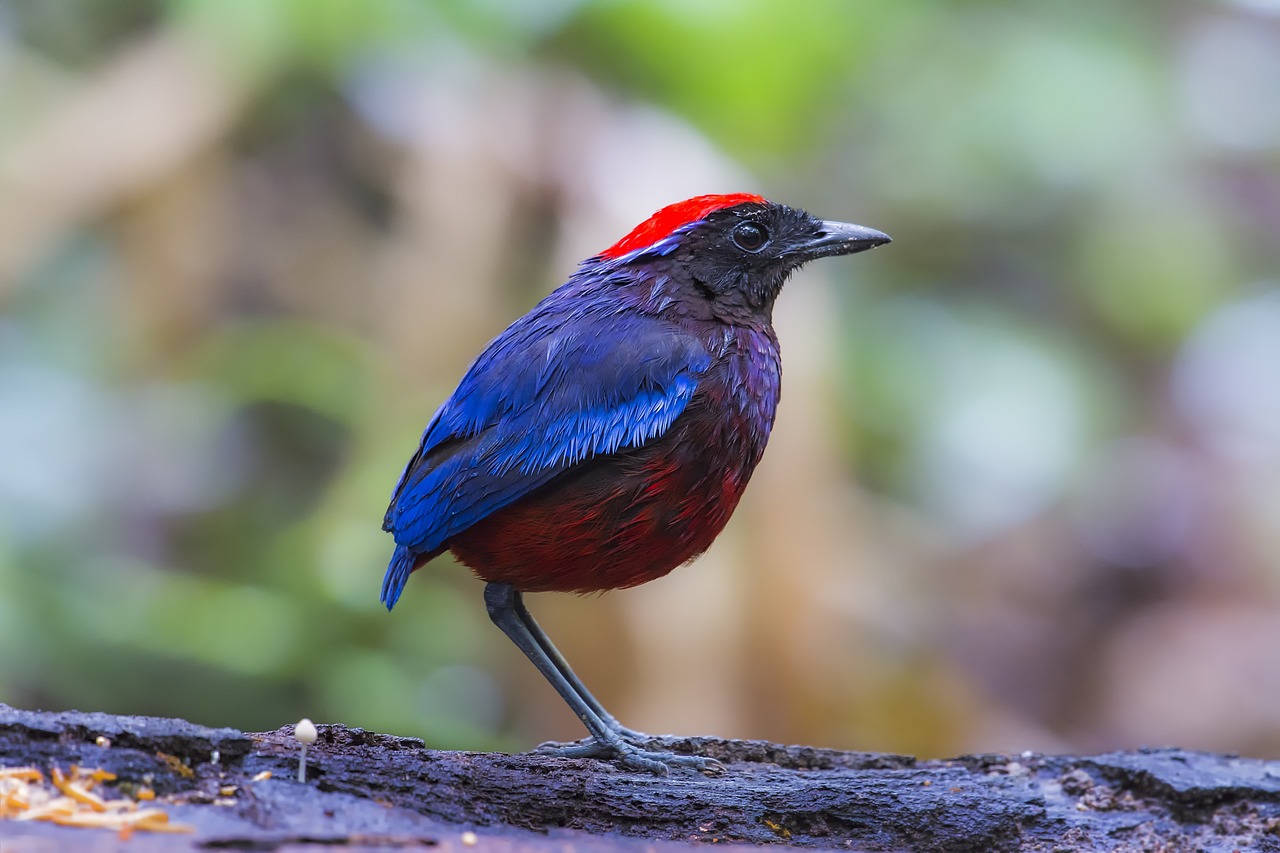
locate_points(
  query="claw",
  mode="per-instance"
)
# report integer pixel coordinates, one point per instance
(710, 766)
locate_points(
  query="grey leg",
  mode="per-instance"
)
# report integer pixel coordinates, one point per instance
(506, 609)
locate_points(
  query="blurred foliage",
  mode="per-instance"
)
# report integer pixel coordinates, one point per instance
(1023, 491)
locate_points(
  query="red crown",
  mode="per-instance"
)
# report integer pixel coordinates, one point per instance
(673, 216)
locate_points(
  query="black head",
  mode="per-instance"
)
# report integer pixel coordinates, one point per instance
(748, 251)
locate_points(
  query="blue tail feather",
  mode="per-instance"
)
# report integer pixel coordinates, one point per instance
(402, 563)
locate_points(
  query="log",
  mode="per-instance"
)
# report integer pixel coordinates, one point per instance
(367, 791)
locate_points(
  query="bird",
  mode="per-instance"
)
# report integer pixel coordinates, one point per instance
(605, 437)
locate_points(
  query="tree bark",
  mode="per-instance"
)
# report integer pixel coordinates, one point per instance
(367, 791)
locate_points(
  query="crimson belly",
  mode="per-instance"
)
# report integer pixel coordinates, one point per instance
(613, 522)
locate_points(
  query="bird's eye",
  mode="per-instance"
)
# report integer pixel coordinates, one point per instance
(750, 236)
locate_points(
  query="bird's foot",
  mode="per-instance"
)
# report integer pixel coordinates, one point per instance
(628, 755)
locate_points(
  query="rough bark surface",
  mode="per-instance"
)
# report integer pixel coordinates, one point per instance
(367, 791)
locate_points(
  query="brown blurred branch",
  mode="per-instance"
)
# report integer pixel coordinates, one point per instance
(153, 106)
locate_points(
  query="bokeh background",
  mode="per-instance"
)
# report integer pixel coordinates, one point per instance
(1024, 489)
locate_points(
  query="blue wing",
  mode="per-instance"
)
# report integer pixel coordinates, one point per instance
(554, 389)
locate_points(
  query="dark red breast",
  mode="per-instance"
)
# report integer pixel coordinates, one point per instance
(631, 517)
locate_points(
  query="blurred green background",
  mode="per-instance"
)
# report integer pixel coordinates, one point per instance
(1024, 490)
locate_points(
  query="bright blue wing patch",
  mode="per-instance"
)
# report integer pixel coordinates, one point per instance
(554, 389)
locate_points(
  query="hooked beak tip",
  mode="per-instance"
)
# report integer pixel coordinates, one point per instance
(843, 238)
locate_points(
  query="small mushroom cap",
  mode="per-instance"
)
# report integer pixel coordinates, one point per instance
(305, 731)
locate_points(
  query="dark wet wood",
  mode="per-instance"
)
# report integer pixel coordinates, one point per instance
(367, 791)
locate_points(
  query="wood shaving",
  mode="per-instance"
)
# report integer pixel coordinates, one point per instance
(176, 764)
(70, 799)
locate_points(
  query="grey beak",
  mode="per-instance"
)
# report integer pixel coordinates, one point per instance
(841, 238)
